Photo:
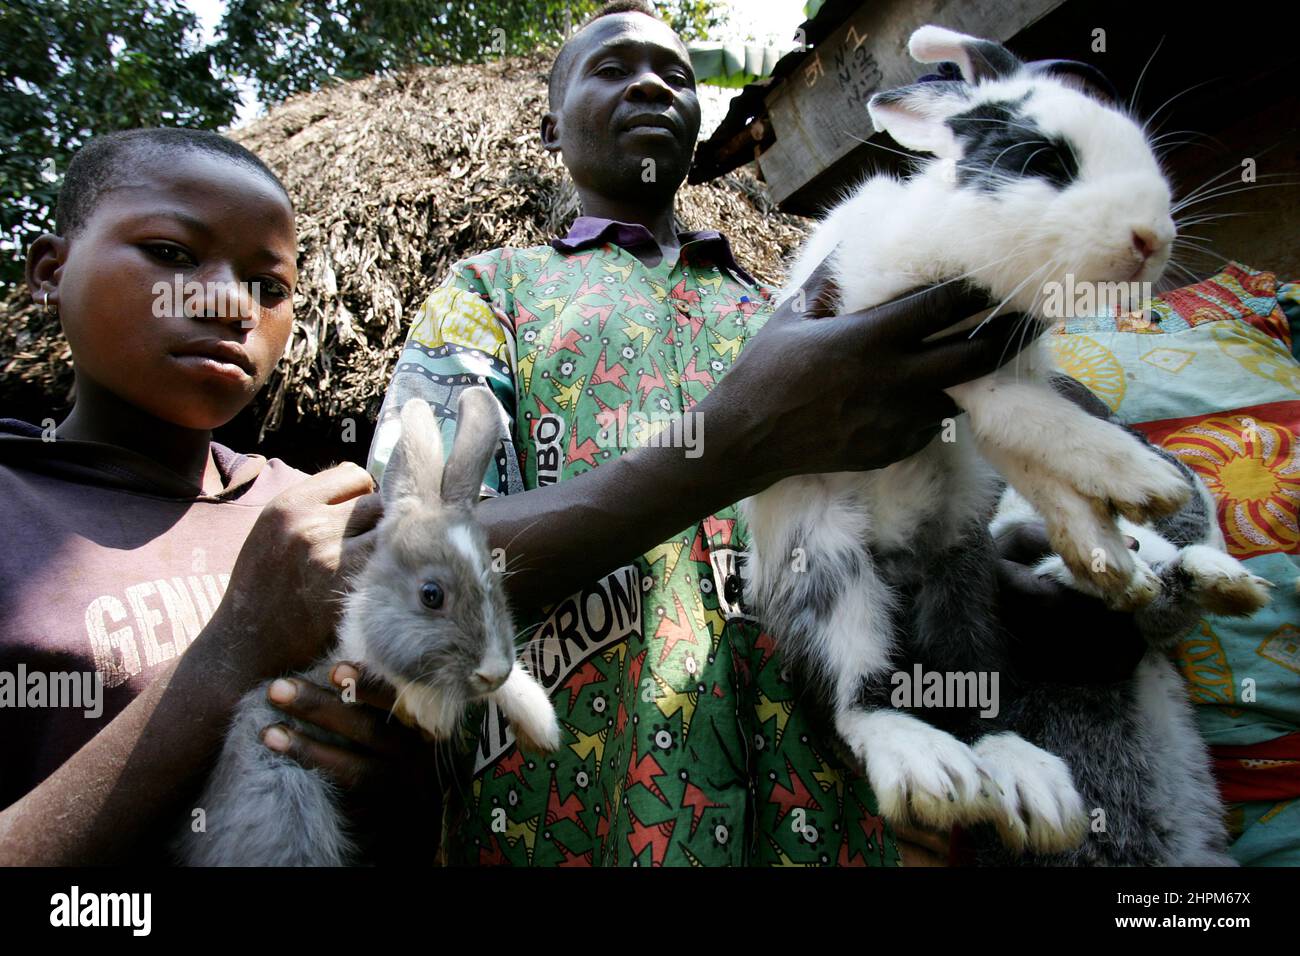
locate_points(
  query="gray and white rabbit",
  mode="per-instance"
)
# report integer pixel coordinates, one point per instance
(427, 613)
(858, 576)
(1132, 745)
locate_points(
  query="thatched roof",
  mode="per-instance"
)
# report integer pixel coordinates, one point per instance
(394, 179)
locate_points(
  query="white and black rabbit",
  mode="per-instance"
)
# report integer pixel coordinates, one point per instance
(428, 613)
(1132, 745)
(861, 575)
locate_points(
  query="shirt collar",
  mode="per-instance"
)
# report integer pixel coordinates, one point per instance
(109, 465)
(589, 231)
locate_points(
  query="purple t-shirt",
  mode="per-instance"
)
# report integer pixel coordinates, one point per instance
(110, 565)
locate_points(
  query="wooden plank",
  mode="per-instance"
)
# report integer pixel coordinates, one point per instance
(819, 112)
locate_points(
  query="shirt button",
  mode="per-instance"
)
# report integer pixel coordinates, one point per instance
(731, 589)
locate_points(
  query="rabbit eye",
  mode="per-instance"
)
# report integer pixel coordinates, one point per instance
(1049, 161)
(431, 595)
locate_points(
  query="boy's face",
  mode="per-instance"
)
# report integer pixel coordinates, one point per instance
(630, 116)
(213, 222)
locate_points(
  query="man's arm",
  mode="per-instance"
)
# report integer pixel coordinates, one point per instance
(808, 394)
(278, 614)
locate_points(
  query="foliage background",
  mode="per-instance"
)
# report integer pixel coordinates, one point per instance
(73, 69)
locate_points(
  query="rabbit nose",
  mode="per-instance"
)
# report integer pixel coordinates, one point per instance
(488, 677)
(1144, 242)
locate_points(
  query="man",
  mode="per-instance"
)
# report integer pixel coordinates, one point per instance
(684, 740)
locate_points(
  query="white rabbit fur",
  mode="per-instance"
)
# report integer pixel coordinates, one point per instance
(921, 524)
(261, 808)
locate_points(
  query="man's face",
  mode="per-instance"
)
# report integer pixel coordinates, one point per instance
(190, 360)
(630, 117)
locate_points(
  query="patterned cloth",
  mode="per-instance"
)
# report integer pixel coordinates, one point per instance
(682, 740)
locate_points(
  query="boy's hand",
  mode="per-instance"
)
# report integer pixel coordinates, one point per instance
(818, 393)
(389, 773)
(286, 587)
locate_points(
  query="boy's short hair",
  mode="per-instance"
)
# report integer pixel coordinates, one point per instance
(564, 59)
(104, 161)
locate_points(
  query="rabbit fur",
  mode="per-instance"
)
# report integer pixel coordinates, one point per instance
(859, 576)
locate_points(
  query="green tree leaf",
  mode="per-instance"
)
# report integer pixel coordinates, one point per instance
(73, 69)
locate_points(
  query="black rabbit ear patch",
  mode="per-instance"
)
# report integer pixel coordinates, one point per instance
(999, 143)
(990, 61)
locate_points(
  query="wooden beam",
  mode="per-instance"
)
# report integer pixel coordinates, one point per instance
(819, 112)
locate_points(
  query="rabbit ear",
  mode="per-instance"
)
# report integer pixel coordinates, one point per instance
(415, 468)
(914, 115)
(478, 435)
(1084, 77)
(977, 59)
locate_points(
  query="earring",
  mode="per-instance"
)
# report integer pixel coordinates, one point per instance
(45, 300)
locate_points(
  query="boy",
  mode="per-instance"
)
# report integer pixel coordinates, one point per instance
(123, 525)
(684, 741)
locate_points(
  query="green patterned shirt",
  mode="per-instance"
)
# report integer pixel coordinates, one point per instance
(684, 741)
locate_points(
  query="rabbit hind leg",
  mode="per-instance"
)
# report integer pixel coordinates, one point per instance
(262, 808)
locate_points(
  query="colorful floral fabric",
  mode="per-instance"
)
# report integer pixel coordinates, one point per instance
(684, 743)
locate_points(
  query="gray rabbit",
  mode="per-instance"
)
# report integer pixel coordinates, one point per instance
(1136, 756)
(427, 613)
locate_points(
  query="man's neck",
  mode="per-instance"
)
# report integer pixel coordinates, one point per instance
(101, 416)
(659, 220)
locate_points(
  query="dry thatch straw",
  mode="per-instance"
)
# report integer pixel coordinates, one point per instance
(394, 179)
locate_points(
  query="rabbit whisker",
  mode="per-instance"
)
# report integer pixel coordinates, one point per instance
(1030, 322)
(972, 272)
(1230, 171)
(887, 149)
(1031, 158)
(526, 528)
(1226, 191)
(1147, 124)
(1137, 88)
(993, 166)
(1184, 270)
(1008, 298)
(1210, 217)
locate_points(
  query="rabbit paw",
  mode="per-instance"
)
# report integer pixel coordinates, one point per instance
(1115, 470)
(1086, 536)
(1034, 802)
(916, 771)
(1143, 486)
(529, 711)
(1222, 584)
(1094, 552)
(1143, 587)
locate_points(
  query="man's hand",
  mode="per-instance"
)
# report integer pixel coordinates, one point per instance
(388, 773)
(917, 847)
(819, 393)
